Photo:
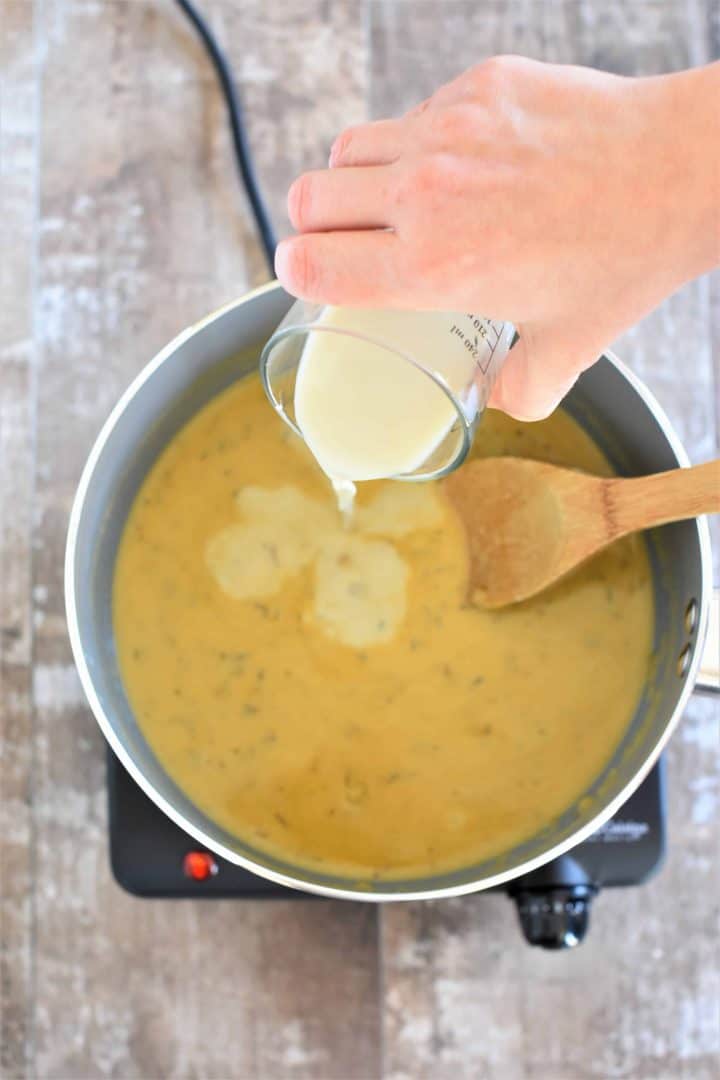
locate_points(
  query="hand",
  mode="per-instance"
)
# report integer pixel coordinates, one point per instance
(563, 199)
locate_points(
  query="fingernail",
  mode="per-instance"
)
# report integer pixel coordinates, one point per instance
(281, 261)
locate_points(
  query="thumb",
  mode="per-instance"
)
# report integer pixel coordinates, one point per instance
(539, 370)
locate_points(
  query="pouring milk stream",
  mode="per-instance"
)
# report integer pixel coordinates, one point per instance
(379, 393)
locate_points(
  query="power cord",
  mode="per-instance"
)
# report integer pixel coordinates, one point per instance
(241, 148)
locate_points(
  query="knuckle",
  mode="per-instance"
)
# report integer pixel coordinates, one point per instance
(299, 202)
(425, 260)
(495, 72)
(426, 176)
(429, 178)
(449, 125)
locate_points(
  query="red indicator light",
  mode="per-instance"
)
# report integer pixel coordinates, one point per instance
(199, 865)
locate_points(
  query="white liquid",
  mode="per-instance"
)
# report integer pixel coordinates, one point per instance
(345, 492)
(367, 413)
(281, 532)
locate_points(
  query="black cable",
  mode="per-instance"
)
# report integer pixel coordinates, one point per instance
(240, 143)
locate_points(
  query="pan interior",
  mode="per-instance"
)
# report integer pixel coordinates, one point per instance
(605, 405)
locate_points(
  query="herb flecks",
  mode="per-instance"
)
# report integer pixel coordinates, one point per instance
(356, 790)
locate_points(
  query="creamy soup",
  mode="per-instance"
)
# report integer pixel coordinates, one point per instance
(324, 692)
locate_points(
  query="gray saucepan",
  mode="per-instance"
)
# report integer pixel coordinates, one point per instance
(610, 403)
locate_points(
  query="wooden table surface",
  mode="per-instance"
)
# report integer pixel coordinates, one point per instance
(122, 222)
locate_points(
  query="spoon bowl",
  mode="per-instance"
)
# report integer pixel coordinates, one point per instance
(529, 523)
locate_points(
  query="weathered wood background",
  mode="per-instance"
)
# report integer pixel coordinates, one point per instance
(122, 221)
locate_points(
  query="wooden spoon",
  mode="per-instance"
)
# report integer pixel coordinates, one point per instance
(529, 523)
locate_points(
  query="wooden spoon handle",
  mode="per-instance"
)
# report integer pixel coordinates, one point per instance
(669, 496)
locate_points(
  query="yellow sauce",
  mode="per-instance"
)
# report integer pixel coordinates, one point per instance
(325, 693)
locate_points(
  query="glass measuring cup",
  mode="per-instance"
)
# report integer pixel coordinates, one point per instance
(417, 383)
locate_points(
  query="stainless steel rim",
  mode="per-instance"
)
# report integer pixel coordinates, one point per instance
(197, 833)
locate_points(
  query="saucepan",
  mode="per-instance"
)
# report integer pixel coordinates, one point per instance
(610, 402)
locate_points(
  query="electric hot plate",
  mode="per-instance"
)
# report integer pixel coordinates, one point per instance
(153, 858)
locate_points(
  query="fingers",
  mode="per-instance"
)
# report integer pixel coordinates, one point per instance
(379, 143)
(383, 141)
(540, 370)
(354, 268)
(340, 199)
